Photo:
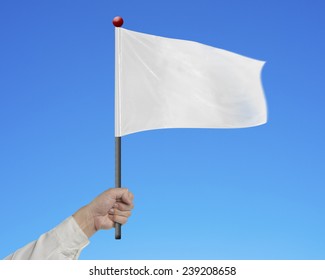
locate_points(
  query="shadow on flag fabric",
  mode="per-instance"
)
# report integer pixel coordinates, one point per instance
(170, 83)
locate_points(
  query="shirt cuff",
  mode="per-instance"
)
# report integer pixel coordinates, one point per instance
(64, 242)
(71, 238)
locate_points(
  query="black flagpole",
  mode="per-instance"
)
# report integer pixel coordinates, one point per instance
(117, 22)
(117, 178)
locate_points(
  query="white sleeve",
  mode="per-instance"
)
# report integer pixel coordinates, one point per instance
(64, 242)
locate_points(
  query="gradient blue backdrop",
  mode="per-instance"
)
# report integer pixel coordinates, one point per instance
(254, 193)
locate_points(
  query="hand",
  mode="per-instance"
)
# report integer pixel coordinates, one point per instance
(113, 205)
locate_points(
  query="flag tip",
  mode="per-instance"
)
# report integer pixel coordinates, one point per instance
(118, 21)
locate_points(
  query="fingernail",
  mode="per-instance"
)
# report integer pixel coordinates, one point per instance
(111, 210)
(115, 205)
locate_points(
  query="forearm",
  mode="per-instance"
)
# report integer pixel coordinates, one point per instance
(64, 242)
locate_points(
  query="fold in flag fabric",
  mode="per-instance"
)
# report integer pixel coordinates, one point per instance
(171, 83)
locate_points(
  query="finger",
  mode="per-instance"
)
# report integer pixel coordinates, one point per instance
(123, 207)
(131, 196)
(117, 193)
(119, 219)
(116, 212)
(127, 198)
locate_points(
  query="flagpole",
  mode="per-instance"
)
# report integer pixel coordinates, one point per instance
(117, 178)
(117, 22)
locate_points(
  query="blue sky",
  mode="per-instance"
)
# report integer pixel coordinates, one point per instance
(255, 193)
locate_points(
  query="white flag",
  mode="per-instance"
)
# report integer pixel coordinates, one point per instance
(170, 83)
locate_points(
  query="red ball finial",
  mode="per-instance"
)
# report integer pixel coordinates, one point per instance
(118, 21)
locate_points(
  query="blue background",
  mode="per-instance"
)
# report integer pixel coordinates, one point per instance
(255, 193)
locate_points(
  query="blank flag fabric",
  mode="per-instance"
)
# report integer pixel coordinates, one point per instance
(170, 83)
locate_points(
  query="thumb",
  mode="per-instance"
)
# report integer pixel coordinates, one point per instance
(118, 193)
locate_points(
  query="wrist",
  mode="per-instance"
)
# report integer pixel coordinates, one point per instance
(85, 220)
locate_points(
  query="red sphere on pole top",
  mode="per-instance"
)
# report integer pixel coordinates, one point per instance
(118, 21)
